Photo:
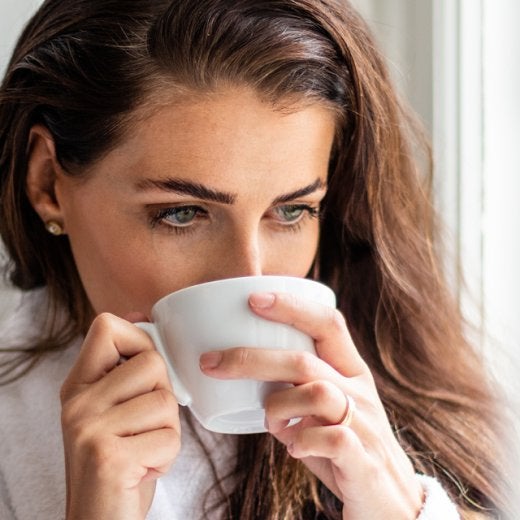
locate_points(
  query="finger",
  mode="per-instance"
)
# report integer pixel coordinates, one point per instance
(328, 409)
(357, 473)
(147, 412)
(108, 340)
(324, 324)
(338, 443)
(153, 451)
(142, 373)
(320, 400)
(288, 366)
(343, 449)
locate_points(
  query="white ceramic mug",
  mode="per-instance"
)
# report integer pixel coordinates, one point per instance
(216, 316)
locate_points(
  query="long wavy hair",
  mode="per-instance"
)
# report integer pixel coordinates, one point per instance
(83, 67)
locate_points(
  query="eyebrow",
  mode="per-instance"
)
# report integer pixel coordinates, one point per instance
(302, 192)
(184, 187)
(200, 191)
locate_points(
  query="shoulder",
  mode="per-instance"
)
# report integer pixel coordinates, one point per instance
(22, 315)
(22, 325)
(31, 451)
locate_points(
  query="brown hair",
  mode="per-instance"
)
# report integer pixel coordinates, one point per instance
(82, 68)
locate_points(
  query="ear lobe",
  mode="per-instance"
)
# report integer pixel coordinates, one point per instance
(42, 170)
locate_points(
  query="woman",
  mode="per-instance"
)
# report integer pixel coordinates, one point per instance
(151, 145)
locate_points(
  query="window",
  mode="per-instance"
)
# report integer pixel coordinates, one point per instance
(458, 63)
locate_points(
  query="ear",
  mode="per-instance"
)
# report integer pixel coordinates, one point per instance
(42, 172)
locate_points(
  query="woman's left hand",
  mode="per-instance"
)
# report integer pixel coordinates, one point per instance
(362, 463)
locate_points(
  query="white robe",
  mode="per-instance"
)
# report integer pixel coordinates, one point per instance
(32, 474)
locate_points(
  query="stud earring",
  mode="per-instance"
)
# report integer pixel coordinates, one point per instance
(54, 228)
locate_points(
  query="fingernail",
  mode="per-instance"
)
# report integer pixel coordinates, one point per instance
(210, 360)
(261, 300)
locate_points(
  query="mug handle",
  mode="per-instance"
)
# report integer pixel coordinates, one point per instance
(179, 390)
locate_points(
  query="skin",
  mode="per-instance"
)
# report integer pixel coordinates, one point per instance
(265, 171)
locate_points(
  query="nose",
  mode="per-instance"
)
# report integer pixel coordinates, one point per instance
(245, 258)
(241, 256)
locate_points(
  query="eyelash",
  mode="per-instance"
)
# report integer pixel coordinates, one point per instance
(157, 218)
(311, 212)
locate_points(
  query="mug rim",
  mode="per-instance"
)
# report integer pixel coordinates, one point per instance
(221, 281)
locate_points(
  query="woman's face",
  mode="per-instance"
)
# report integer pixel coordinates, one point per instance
(217, 186)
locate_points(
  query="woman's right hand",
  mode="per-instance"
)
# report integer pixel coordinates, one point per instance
(120, 423)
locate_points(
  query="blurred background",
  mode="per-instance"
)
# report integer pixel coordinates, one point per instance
(458, 63)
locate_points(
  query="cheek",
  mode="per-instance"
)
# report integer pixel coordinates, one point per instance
(118, 265)
(292, 253)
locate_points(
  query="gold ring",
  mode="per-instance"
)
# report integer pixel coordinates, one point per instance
(349, 412)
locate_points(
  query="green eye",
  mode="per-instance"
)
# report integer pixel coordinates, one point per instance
(181, 216)
(290, 213)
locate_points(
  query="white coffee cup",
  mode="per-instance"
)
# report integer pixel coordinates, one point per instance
(216, 316)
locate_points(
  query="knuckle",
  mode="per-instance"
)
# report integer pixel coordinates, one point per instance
(103, 323)
(72, 411)
(105, 456)
(82, 431)
(372, 470)
(152, 362)
(341, 439)
(306, 364)
(165, 400)
(336, 320)
(320, 392)
(241, 356)
(149, 358)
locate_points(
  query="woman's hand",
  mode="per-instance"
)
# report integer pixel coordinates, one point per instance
(363, 464)
(120, 423)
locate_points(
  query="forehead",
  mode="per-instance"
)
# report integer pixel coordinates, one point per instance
(227, 136)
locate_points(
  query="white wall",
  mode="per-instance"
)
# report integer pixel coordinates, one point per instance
(458, 63)
(501, 194)
(501, 181)
(404, 31)
(13, 15)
